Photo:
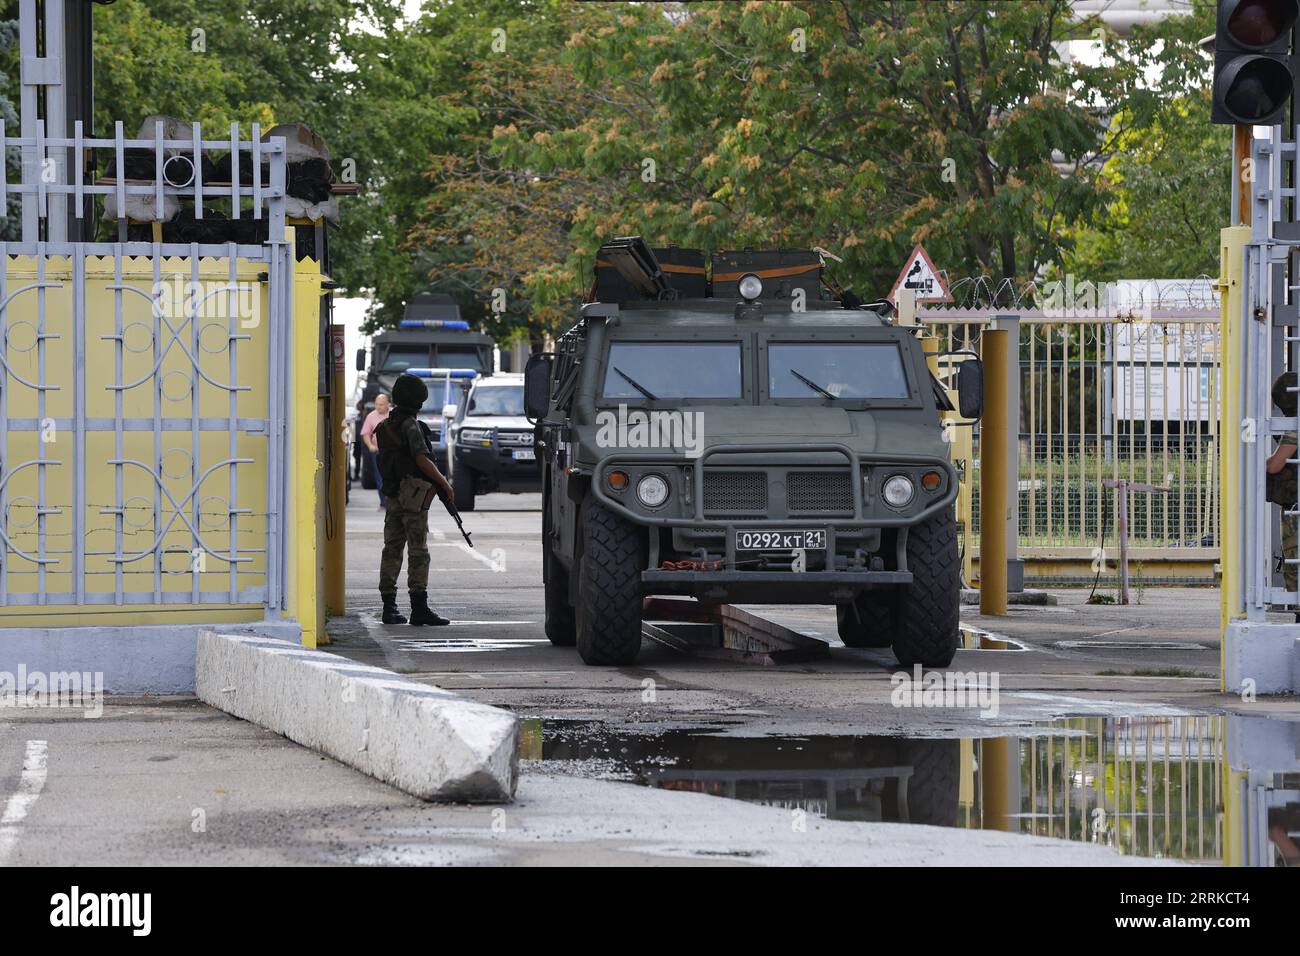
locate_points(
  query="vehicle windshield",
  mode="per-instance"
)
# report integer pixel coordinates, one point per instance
(460, 357)
(439, 395)
(399, 358)
(654, 370)
(836, 370)
(497, 400)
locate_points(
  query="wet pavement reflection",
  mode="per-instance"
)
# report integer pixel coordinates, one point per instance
(1212, 789)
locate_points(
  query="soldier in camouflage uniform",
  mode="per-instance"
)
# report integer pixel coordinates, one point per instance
(410, 482)
(1280, 482)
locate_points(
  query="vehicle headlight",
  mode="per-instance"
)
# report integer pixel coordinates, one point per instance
(470, 435)
(751, 287)
(652, 491)
(898, 491)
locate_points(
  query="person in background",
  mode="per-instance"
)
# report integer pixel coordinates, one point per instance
(373, 421)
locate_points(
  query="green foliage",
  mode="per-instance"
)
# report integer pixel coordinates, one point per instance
(497, 143)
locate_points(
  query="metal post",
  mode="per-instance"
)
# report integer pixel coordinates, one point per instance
(1241, 143)
(1232, 245)
(335, 543)
(996, 353)
(995, 780)
(1015, 566)
(1121, 521)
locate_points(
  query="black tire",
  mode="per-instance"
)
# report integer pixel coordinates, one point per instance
(609, 588)
(869, 620)
(560, 625)
(927, 630)
(932, 788)
(462, 483)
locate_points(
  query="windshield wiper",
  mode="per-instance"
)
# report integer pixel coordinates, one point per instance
(635, 384)
(811, 384)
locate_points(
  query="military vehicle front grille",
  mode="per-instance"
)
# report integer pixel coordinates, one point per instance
(515, 439)
(820, 492)
(733, 492)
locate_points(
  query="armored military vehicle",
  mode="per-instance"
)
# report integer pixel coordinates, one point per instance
(744, 436)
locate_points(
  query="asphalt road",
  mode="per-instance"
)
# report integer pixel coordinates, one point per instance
(1158, 656)
(173, 781)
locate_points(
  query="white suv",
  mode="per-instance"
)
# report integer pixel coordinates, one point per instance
(493, 442)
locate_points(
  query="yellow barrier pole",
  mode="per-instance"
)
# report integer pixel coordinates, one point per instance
(1232, 243)
(994, 427)
(995, 776)
(335, 538)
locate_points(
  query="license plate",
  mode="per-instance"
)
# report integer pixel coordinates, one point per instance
(525, 454)
(808, 540)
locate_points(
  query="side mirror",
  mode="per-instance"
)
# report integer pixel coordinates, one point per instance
(970, 388)
(537, 386)
(448, 412)
(361, 360)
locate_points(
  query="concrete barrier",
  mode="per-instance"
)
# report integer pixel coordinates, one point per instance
(419, 738)
(1262, 656)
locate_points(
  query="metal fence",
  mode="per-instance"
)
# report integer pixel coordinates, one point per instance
(143, 389)
(1145, 786)
(1111, 394)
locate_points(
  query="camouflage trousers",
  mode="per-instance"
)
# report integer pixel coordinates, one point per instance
(409, 530)
(1290, 538)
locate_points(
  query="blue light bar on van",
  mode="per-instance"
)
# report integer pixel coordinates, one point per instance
(452, 325)
(442, 372)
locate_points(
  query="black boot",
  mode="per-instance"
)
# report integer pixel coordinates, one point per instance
(420, 612)
(391, 614)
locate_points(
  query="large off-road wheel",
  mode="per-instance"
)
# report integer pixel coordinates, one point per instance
(561, 628)
(932, 788)
(926, 631)
(868, 620)
(609, 587)
(462, 483)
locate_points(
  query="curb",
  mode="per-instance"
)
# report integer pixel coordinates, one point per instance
(419, 738)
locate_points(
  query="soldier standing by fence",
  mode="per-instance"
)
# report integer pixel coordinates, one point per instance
(410, 482)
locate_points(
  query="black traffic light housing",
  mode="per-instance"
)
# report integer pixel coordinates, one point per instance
(1254, 72)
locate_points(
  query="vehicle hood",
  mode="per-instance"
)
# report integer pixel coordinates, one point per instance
(895, 431)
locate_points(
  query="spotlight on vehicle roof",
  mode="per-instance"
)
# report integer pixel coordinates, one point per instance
(751, 287)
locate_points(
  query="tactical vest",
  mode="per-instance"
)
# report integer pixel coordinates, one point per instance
(395, 459)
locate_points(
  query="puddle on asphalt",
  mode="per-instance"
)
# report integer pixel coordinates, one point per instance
(1187, 788)
(974, 640)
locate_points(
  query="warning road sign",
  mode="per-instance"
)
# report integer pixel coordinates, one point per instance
(920, 275)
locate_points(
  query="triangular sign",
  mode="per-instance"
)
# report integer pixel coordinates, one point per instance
(920, 275)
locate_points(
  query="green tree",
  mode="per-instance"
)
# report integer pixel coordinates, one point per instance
(1168, 181)
(863, 128)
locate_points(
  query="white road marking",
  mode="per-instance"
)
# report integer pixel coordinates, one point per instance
(30, 785)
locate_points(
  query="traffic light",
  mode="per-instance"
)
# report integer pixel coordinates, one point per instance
(1253, 68)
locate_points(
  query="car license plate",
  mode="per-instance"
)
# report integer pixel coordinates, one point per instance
(525, 454)
(809, 540)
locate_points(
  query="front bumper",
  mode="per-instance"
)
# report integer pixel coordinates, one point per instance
(771, 587)
(859, 517)
(498, 464)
